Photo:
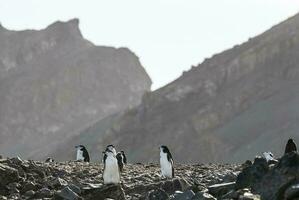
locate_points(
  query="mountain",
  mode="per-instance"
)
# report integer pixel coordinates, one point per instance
(233, 106)
(54, 83)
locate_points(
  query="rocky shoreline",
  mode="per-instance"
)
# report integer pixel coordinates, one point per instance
(22, 179)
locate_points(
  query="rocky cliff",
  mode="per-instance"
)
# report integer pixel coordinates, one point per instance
(232, 106)
(54, 83)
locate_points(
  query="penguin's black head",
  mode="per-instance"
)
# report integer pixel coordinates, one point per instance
(164, 149)
(80, 146)
(110, 146)
(122, 152)
(290, 141)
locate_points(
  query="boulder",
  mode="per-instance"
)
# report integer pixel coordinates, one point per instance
(177, 184)
(218, 190)
(253, 173)
(7, 175)
(292, 192)
(203, 196)
(67, 194)
(112, 191)
(188, 195)
(157, 194)
(44, 193)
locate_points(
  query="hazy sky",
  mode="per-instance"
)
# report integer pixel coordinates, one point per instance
(168, 35)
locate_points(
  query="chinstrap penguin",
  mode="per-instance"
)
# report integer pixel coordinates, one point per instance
(270, 158)
(49, 160)
(121, 160)
(166, 162)
(124, 157)
(111, 148)
(82, 153)
(290, 146)
(111, 173)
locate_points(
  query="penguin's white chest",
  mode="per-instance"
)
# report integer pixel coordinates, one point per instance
(166, 166)
(268, 156)
(111, 171)
(79, 155)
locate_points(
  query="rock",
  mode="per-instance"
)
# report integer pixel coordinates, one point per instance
(157, 194)
(29, 193)
(7, 175)
(3, 198)
(14, 196)
(75, 188)
(188, 195)
(252, 173)
(282, 176)
(13, 186)
(107, 191)
(289, 161)
(203, 196)
(57, 183)
(16, 160)
(218, 190)
(67, 194)
(292, 192)
(249, 196)
(29, 186)
(44, 193)
(177, 184)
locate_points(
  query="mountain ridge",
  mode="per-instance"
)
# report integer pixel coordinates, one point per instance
(235, 104)
(54, 82)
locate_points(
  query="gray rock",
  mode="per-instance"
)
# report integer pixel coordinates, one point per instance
(188, 195)
(249, 196)
(292, 192)
(16, 160)
(253, 173)
(75, 188)
(44, 193)
(218, 190)
(177, 184)
(3, 198)
(67, 194)
(203, 196)
(57, 183)
(107, 191)
(29, 186)
(29, 193)
(7, 175)
(157, 194)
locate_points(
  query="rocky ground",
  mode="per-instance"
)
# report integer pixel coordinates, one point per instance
(22, 179)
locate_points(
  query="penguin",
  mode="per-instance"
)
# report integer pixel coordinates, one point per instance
(120, 161)
(290, 146)
(111, 172)
(82, 153)
(270, 158)
(166, 162)
(111, 148)
(49, 160)
(124, 157)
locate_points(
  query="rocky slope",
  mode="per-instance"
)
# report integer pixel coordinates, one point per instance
(54, 83)
(22, 179)
(232, 106)
(277, 180)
